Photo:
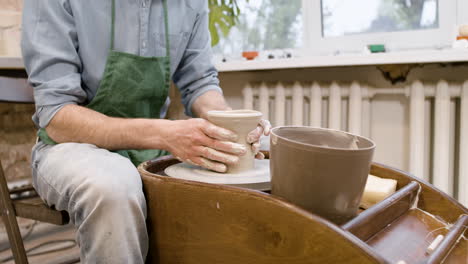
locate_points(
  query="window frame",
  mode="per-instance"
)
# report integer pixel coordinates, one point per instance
(462, 17)
(316, 44)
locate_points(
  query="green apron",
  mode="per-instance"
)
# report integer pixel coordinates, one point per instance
(131, 87)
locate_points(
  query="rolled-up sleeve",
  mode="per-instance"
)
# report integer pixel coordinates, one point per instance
(49, 46)
(196, 73)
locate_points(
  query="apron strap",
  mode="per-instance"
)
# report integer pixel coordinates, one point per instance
(168, 47)
(113, 26)
(166, 28)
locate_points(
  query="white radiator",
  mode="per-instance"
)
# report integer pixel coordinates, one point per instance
(347, 106)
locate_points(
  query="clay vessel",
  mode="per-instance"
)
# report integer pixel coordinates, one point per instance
(240, 122)
(322, 170)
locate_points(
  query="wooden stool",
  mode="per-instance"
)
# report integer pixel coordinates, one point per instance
(31, 207)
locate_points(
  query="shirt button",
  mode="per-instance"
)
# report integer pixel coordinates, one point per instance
(144, 3)
(144, 44)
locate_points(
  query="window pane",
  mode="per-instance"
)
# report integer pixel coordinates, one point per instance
(345, 17)
(264, 25)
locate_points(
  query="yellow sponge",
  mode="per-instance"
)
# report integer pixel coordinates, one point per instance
(376, 190)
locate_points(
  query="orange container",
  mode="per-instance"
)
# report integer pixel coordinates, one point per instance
(250, 55)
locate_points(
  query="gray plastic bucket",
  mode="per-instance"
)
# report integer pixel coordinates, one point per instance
(322, 170)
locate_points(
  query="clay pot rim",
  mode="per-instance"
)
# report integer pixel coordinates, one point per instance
(312, 147)
(244, 113)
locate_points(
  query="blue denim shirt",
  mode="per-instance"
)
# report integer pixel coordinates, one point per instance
(65, 45)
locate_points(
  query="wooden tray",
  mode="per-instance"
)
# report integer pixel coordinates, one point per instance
(193, 222)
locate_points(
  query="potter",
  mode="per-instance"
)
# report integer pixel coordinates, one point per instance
(101, 73)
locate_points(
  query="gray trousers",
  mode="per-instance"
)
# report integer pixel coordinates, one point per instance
(102, 192)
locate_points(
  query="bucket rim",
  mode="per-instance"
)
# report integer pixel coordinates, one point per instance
(299, 144)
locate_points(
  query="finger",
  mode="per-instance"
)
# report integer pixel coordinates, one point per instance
(255, 147)
(266, 126)
(215, 155)
(211, 165)
(260, 156)
(217, 132)
(226, 146)
(255, 134)
(189, 161)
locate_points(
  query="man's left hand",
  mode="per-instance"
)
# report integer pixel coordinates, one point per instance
(253, 137)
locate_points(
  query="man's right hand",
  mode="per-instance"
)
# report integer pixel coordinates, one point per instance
(195, 141)
(199, 142)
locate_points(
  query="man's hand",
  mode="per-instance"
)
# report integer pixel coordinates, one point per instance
(253, 137)
(201, 143)
(213, 100)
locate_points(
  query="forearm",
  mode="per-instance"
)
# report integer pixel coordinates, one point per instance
(211, 100)
(79, 124)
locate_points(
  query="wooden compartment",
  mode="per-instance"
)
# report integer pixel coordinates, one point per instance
(192, 222)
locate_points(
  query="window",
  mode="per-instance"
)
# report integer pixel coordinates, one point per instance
(339, 17)
(344, 26)
(325, 27)
(264, 25)
(462, 12)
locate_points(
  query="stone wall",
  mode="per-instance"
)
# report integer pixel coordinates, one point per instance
(17, 132)
(15, 5)
(10, 27)
(17, 137)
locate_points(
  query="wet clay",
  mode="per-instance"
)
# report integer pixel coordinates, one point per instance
(247, 170)
(185, 171)
(322, 170)
(240, 122)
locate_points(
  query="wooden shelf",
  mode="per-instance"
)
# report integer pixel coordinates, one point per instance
(406, 57)
(11, 63)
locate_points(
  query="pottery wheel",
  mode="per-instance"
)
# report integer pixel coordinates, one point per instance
(260, 174)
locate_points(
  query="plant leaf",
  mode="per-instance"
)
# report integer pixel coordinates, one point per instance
(223, 16)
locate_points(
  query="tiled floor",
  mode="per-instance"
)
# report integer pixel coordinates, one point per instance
(55, 237)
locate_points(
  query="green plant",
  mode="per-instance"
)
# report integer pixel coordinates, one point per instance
(223, 16)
